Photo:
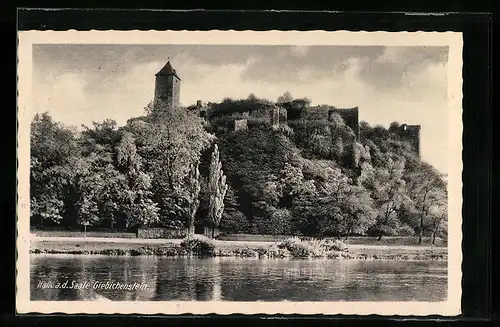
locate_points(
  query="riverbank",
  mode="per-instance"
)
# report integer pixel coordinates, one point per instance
(173, 248)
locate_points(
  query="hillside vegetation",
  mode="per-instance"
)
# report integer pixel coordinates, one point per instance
(169, 168)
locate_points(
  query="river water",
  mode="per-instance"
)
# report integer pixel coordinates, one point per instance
(234, 279)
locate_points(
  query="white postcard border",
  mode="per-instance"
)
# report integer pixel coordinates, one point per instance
(451, 307)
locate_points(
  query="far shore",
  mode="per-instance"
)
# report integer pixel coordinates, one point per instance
(172, 248)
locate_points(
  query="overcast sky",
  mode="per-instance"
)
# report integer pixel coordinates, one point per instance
(78, 84)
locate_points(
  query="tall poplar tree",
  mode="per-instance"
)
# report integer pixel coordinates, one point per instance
(192, 195)
(217, 189)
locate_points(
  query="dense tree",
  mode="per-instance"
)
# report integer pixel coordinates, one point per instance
(323, 139)
(98, 146)
(394, 127)
(427, 189)
(249, 158)
(438, 217)
(103, 136)
(358, 211)
(309, 177)
(388, 190)
(296, 108)
(324, 202)
(333, 189)
(252, 97)
(285, 98)
(138, 207)
(174, 140)
(230, 107)
(53, 149)
(233, 220)
(191, 194)
(88, 184)
(276, 221)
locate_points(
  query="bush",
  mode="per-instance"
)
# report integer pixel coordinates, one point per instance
(405, 230)
(296, 108)
(274, 252)
(233, 221)
(286, 130)
(275, 222)
(303, 249)
(246, 253)
(230, 106)
(259, 123)
(335, 245)
(199, 245)
(313, 248)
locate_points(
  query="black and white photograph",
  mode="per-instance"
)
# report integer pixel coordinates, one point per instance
(239, 172)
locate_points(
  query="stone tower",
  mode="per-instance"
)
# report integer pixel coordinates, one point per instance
(168, 85)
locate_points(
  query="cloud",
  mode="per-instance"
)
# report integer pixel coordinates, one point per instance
(300, 51)
(63, 96)
(396, 66)
(74, 100)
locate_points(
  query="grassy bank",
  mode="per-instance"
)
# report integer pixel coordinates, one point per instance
(357, 240)
(176, 248)
(354, 240)
(64, 233)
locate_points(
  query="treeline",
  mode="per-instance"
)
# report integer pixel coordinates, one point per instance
(144, 173)
(168, 168)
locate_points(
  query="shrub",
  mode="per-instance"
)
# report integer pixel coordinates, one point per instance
(286, 130)
(275, 222)
(246, 253)
(274, 252)
(335, 245)
(112, 252)
(296, 108)
(405, 230)
(259, 123)
(230, 106)
(304, 249)
(199, 245)
(233, 221)
(313, 248)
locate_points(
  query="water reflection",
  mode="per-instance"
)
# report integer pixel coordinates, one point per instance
(230, 279)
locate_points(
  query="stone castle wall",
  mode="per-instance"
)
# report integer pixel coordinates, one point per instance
(240, 124)
(274, 115)
(350, 117)
(411, 133)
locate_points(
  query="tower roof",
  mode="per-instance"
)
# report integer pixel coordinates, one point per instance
(167, 70)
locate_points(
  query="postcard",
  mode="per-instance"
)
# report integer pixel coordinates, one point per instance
(250, 172)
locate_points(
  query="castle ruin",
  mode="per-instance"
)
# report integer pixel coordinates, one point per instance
(167, 89)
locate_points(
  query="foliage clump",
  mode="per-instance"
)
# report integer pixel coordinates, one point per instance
(312, 248)
(199, 245)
